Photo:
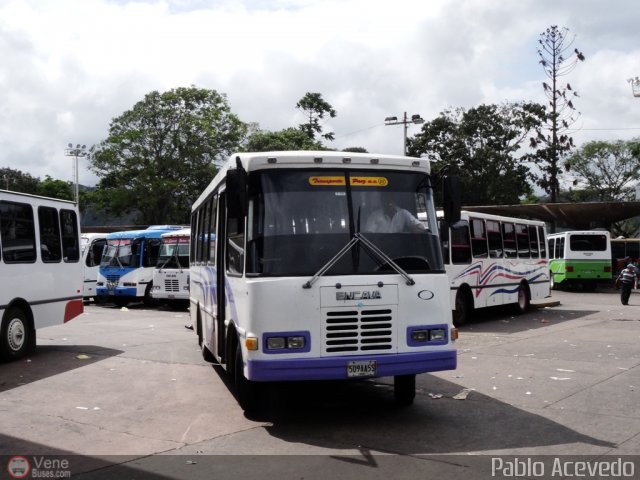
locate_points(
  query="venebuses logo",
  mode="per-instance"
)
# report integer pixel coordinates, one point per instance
(18, 467)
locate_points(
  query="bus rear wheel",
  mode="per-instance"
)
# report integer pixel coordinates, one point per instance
(524, 299)
(404, 389)
(15, 335)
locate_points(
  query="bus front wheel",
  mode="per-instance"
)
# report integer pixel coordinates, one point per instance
(464, 308)
(524, 299)
(404, 389)
(15, 335)
(247, 392)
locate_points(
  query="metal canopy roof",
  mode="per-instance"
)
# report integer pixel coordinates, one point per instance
(578, 216)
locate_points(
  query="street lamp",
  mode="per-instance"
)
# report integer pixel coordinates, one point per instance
(635, 86)
(417, 119)
(77, 151)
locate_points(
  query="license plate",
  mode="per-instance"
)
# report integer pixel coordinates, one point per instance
(365, 368)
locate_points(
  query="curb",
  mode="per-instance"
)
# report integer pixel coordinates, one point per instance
(551, 303)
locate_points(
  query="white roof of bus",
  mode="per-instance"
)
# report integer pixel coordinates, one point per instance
(580, 232)
(183, 232)
(252, 161)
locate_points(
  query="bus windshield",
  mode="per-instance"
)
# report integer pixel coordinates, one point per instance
(298, 220)
(120, 252)
(174, 253)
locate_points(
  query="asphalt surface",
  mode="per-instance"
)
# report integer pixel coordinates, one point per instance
(125, 393)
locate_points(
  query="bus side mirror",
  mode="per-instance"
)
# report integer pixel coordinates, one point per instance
(451, 193)
(237, 199)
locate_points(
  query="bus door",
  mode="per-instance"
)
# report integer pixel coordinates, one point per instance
(221, 302)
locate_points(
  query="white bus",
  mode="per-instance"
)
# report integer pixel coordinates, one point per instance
(92, 245)
(493, 260)
(126, 269)
(41, 269)
(171, 275)
(287, 284)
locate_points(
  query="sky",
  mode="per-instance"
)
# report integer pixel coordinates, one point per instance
(68, 67)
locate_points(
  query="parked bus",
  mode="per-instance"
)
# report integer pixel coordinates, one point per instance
(493, 260)
(41, 269)
(171, 275)
(91, 246)
(580, 257)
(623, 250)
(287, 284)
(126, 269)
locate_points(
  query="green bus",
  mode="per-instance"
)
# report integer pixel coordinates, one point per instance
(580, 257)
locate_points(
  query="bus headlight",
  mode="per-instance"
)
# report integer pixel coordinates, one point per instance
(421, 335)
(285, 342)
(437, 334)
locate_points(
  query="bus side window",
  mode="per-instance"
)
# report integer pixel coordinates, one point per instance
(50, 246)
(509, 238)
(533, 241)
(495, 239)
(18, 234)
(478, 238)
(522, 239)
(460, 244)
(552, 248)
(70, 236)
(542, 242)
(560, 247)
(95, 254)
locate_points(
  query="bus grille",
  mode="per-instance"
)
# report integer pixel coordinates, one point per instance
(171, 285)
(113, 278)
(358, 331)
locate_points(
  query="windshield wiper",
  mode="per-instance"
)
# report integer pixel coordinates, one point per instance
(332, 262)
(386, 258)
(357, 237)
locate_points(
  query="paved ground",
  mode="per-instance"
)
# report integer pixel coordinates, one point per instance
(129, 387)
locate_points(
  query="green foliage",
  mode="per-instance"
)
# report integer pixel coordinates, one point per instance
(161, 154)
(56, 188)
(287, 139)
(482, 146)
(17, 181)
(315, 108)
(355, 150)
(609, 171)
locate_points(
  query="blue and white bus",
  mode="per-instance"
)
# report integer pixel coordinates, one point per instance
(126, 268)
(289, 284)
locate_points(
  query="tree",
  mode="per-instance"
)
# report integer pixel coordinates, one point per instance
(287, 139)
(315, 108)
(355, 150)
(557, 60)
(17, 181)
(161, 154)
(610, 170)
(55, 188)
(481, 145)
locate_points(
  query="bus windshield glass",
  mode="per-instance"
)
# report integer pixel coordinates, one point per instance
(299, 220)
(174, 253)
(119, 253)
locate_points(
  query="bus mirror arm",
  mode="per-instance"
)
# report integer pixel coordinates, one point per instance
(451, 198)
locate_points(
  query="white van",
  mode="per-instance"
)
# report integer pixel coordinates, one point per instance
(91, 245)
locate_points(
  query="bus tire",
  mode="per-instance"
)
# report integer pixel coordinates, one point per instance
(15, 335)
(524, 299)
(246, 391)
(148, 299)
(464, 308)
(404, 389)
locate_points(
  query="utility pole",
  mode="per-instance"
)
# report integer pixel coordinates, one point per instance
(417, 119)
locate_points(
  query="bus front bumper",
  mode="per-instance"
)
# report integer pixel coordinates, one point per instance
(336, 368)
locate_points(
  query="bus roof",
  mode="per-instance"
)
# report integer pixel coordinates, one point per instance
(580, 232)
(154, 231)
(253, 161)
(183, 232)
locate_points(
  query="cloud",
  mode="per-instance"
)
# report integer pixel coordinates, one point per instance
(70, 66)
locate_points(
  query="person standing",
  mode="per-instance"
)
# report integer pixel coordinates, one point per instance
(626, 280)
